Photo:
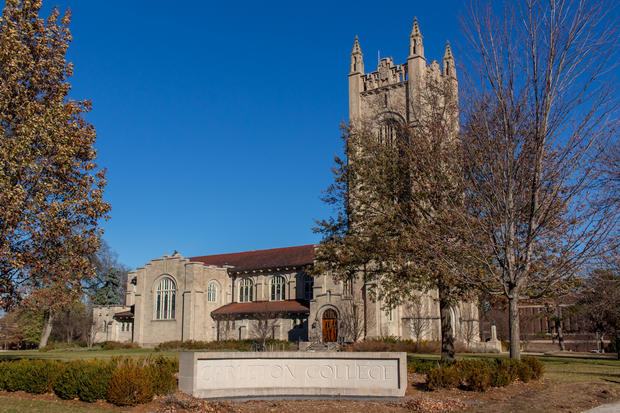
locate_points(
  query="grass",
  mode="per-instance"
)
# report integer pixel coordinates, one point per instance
(19, 405)
(559, 369)
(67, 355)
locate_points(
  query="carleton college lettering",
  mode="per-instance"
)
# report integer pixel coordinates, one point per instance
(292, 373)
(313, 374)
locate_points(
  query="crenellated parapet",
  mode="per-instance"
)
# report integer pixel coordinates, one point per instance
(387, 75)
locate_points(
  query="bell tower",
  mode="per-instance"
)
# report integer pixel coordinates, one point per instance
(392, 92)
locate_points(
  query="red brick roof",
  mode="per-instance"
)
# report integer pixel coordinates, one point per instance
(262, 259)
(238, 310)
(124, 314)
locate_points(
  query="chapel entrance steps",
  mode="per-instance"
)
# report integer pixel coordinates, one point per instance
(318, 346)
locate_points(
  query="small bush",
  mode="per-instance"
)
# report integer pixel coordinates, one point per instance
(231, 345)
(536, 365)
(443, 377)
(502, 375)
(31, 376)
(94, 380)
(420, 366)
(524, 371)
(478, 375)
(76, 345)
(131, 383)
(116, 345)
(66, 385)
(475, 374)
(162, 371)
(4, 368)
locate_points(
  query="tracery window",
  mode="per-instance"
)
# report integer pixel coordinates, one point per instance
(309, 288)
(212, 292)
(278, 287)
(165, 299)
(347, 287)
(246, 290)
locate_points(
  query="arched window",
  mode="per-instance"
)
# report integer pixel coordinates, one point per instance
(278, 284)
(212, 292)
(165, 299)
(246, 290)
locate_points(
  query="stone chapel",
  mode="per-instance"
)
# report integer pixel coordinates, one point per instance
(240, 295)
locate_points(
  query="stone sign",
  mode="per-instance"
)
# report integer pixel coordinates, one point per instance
(242, 375)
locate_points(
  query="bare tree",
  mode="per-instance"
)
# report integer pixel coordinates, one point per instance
(469, 331)
(352, 320)
(540, 112)
(418, 319)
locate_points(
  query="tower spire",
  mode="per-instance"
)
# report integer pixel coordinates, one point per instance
(449, 68)
(415, 30)
(357, 58)
(416, 48)
(448, 53)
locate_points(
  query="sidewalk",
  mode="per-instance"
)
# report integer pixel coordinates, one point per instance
(606, 408)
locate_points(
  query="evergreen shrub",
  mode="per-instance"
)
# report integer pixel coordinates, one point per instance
(131, 383)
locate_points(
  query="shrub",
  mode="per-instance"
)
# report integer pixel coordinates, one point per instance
(420, 366)
(502, 373)
(524, 371)
(116, 345)
(536, 365)
(162, 371)
(131, 383)
(475, 374)
(94, 380)
(66, 385)
(234, 345)
(443, 377)
(31, 376)
(3, 373)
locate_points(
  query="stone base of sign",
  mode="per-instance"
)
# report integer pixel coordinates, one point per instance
(292, 374)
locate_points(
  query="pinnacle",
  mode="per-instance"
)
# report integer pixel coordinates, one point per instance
(415, 30)
(356, 46)
(448, 52)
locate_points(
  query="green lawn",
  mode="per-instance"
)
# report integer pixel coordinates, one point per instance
(83, 354)
(15, 405)
(560, 369)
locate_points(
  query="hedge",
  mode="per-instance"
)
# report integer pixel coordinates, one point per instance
(123, 381)
(478, 375)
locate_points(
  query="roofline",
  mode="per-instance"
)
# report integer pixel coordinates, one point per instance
(246, 252)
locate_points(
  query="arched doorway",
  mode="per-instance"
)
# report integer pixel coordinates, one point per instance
(330, 326)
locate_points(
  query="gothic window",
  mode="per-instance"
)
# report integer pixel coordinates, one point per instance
(246, 290)
(347, 287)
(309, 288)
(165, 299)
(278, 287)
(212, 292)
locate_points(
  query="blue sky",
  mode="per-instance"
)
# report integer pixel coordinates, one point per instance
(218, 123)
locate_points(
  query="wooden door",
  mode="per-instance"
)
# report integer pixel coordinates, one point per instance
(330, 326)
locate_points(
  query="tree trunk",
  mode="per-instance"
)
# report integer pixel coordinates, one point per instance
(618, 343)
(47, 329)
(558, 324)
(513, 321)
(364, 302)
(447, 335)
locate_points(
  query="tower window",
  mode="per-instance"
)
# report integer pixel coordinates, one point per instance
(165, 299)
